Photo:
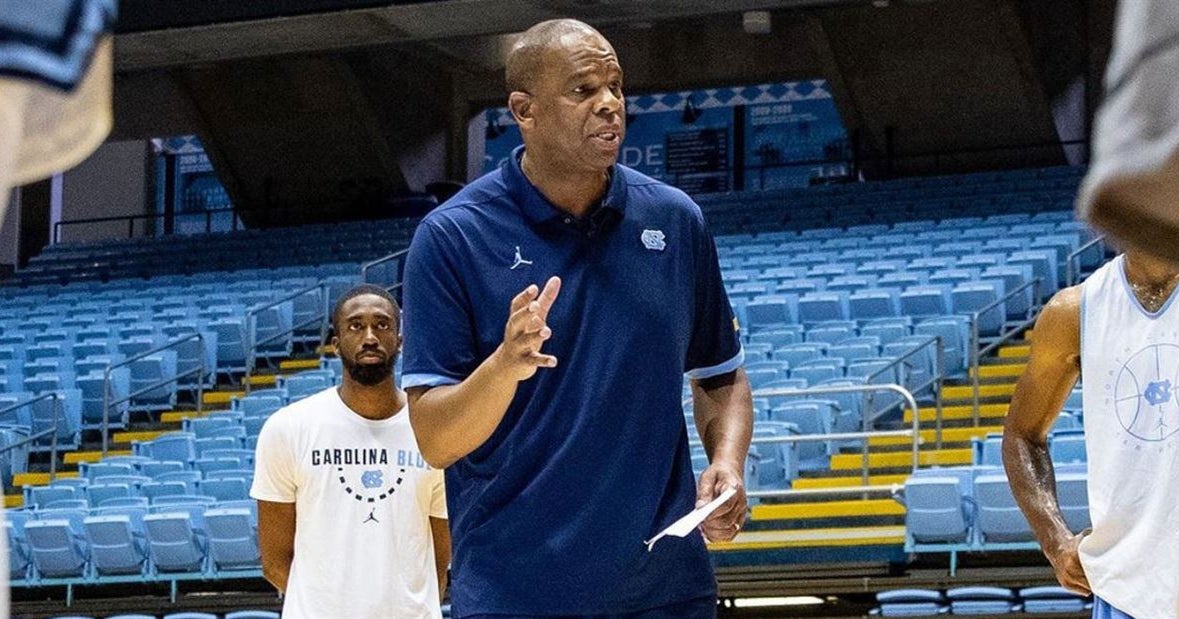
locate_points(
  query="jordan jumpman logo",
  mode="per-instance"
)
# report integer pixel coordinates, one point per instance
(520, 261)
(371, 517)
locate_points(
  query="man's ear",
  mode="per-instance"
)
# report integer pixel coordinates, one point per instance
(336, 344)
(520, 103)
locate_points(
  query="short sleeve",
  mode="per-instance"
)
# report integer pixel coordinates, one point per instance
(438, 495)
(715, 345)
(438, 346)
(274, 470)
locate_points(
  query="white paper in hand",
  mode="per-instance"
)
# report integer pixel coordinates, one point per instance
(687, 524)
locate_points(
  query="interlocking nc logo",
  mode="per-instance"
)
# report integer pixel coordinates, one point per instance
(654, 240)
(371, 479)
(1158, 392)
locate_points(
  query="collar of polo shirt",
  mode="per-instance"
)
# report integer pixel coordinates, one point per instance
(539, 210)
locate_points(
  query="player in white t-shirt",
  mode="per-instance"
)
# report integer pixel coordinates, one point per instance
(351, 519)
(1119, 333)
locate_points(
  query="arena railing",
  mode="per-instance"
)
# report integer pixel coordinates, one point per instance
(976, 353)
(149, 218)
(51, 432)
(935, 381)
(253, 344)
(107, 403)
(1073, 273)
(398, 260)
(914, 433)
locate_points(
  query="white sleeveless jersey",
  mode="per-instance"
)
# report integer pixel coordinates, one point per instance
(1130, 379)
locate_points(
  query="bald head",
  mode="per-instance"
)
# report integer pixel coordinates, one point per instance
(526, 62)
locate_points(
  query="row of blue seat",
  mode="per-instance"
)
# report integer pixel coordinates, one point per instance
(976, 600)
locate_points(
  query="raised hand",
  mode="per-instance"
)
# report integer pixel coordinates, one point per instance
(527, 330)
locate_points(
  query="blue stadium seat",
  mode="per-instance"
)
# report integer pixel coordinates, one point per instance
(252, 614)
(811, 417)
(20, 558)
(174, 543)
(1067, 446)
(92, 387)
(871, 303)
(999, 518)
(771, 311)
(925, 301)
(981, 601)
(1052, 599)
(203, 427)
(1072, 494)
(233, 539)
(936, 509)
(231, 343)
(229, 489)
(818, 370)
(116, 547)
(910, 603)
(822, 306)
(57, 546)
(988, 450)
(174, 446)
(149, 372)
(972, 297)
(190, 479)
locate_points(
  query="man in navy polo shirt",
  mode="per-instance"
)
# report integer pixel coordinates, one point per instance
(557, 411)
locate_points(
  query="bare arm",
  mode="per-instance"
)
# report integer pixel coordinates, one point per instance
(451, 421)
(276, 537)
(1052, 370)
(440, 529)
(723, 408)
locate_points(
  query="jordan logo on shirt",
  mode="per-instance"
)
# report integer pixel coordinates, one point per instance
(520, 261)
(371, 517)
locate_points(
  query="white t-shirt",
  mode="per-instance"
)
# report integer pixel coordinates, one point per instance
(363, 497)
(1129, 376)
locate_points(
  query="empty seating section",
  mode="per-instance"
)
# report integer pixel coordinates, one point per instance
(833, 287)
(979, 601)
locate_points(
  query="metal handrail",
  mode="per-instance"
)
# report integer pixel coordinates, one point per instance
(400, 254)
(1072, 276)
(934, 381)
(52, 431)
(976, 353)
(252, 325)
(915, 432)
(107, 403)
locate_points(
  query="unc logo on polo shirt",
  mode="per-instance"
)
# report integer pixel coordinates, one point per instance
(654, 240)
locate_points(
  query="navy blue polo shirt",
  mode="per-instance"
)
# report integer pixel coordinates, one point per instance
(549, 515)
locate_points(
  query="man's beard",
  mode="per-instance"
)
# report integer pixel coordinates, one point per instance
(369, 374)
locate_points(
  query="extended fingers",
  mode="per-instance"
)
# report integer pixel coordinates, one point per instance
(524, 298)
(549, 295)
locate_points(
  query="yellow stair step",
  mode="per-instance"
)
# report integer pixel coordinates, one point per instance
(1001, 370)
(263, 380)
(958, 411)
(804, 538)
(299, 364)
(1015, 352)
(141, 436)
(809, 483)
(75, 457)
(929, 437)
(38, 479)
(828, 509)
(13, 501)
(326, 349)
(221, 397)
(178, 416)
(844, 462)
(984, 391)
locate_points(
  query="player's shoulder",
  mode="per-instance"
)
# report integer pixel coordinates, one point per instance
(1059, 322)
(304, 411)
(1066, 300)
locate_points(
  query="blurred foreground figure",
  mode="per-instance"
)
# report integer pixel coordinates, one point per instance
(1132, 189)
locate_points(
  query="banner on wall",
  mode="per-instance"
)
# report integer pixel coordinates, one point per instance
(765, 136)
(187, 188)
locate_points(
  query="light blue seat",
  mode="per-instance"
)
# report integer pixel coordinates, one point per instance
(936, 511)
(771, 311)
(146, 374)
(999, 518)
(972, 297)
(154, 468)
(205, 445)
(255, 405)
(829, 334)
(953, 331)
(154, 490)
(779, 337)
(41, 496)
(97, 494)
(173, 542)
(1051, 599)
(92, 386)
(1044, 266)
(229, 489)
(302, 385)
(822, 306)
(115, 545)
(1072, 494)
(272, 330)
(209, 465)
(233, 539)
(190, 479)
(20, 558)
(762, 376)
(57, 546)
(231, 343)
(1067, 446)
(988, 450)
(203, 427)
(988, 601)
(94, 471)
(811, 417)
(1013, 276)
(817, 370)
(174, 446)
(252, 614)
(930, 300)
(910, 603)
(779, 461)
(872, 303)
